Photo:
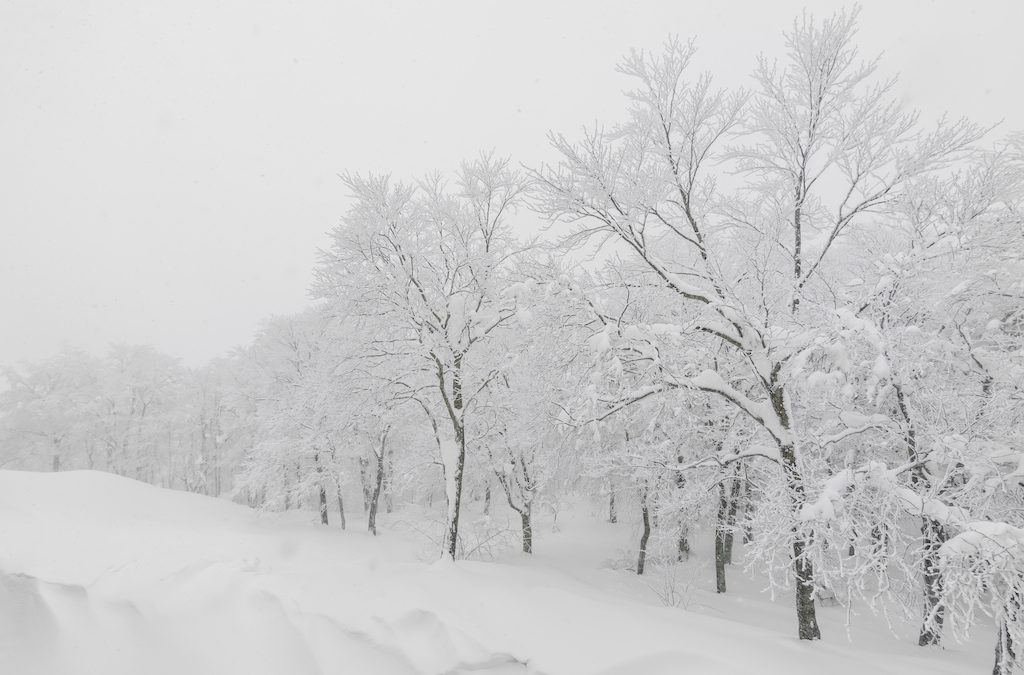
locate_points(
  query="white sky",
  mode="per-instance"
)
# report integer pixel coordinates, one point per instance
(168, 169)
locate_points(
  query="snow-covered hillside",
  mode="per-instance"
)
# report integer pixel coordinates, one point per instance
(104, 575)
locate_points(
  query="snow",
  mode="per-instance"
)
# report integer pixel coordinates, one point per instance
(830, 502)
(881, 368)
(762, 411)
(600, 343)
(999, 542)
(104, 575)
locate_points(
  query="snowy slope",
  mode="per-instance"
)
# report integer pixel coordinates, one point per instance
(104, 575)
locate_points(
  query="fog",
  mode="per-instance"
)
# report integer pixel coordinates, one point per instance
(169, 169)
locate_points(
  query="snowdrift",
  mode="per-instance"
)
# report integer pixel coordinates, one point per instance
(101, 574)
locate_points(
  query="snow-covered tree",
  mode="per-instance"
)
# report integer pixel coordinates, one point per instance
(427, 263)
(748, 234)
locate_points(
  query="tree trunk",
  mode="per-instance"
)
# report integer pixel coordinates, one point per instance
(375, 498)
(364, 482)
(933, 535)
(642, 558)
(524, 515)
(613, 515)
(323, 490)
(803, 569)
(730, 517)
(452, 537)
(748, 508)
(683, 544)
(487, 499)
(389, 488)
(323, 505)
(458, 423)
(683, 552)
(341, 508)
(1006, 650)
(720, 528)
(1006, 655)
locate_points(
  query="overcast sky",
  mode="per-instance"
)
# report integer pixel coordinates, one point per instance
(168, 169)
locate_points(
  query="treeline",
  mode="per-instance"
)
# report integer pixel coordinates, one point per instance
(807, 333)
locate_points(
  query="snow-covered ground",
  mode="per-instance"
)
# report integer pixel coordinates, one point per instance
(103, 575)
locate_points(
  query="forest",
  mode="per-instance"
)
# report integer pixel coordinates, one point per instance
(786, 319)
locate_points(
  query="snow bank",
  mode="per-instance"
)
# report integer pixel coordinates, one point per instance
(104, 575)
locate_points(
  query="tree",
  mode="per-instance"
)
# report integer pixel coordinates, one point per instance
(825, 153)
(428, 263)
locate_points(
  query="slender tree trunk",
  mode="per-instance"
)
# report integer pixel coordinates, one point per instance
(453, 527)
(933, 536)
(323, 490)
(487, 499)
(375, 497)
(720, 528)
(458, 423)
(323, 505)
(748, 508)
(644, 512)
(683, 545)
(1006, 655)
(341, 508)
(730, 516)
(389, 487)
(803, 569)
(1006, 650)
(364, 482)
(613, 515)
(524, 515)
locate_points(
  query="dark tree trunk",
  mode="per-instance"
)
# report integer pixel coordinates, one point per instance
(364, 482)
(1006, 656)
(323, 505)
(487, 499)
(375, 498)
(683, 552)
(613, 515)
(683, 543)
(453, 526)
(452, 536)
(730, 517)
(323, 490)
(645, 513)
(748, 508)
(524, 515)
(720, 529)
(1006, 650)
(807, 620)
(803, 569)
(933, 535)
